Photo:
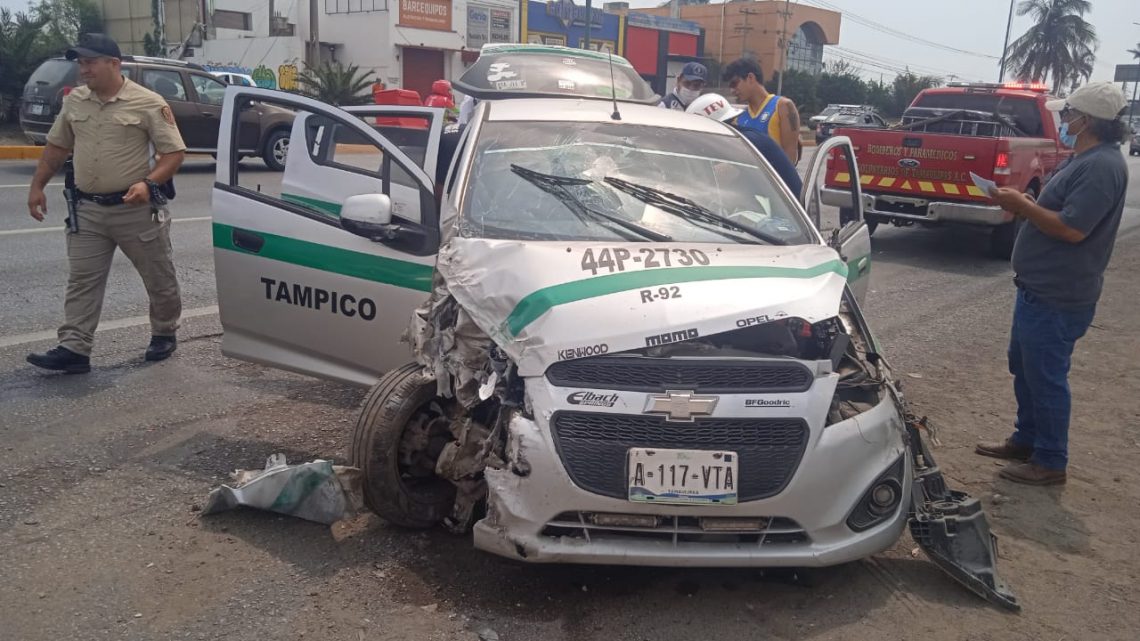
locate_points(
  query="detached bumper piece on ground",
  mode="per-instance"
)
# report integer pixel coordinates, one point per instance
(952, 529)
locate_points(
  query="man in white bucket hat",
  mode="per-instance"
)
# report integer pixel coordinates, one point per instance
(1059, 259)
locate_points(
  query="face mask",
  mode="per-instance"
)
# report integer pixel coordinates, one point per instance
(687, 96)
(1069, 140)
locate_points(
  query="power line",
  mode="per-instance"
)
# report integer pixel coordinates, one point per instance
(903, 63)
(877, 26)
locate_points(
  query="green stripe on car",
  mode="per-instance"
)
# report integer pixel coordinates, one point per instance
(323, 206)
(346, 262)
(538, 303)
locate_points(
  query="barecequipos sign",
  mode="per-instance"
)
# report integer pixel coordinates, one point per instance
(426, 14)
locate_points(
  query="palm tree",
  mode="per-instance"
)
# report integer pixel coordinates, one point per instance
(1057, 45)
(335, 83)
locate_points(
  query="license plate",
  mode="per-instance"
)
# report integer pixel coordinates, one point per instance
(682, 476)
(38, 110)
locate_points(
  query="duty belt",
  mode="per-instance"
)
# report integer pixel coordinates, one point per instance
(107, 200)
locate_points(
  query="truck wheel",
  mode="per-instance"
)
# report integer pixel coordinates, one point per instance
(1002, 239)
(847, 214)
(398, 437)
(872, 224)
(276, 150)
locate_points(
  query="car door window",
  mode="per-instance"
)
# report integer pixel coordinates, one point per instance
(167, 84)
(209, 90)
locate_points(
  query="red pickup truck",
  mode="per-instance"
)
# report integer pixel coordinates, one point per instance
(919, 170)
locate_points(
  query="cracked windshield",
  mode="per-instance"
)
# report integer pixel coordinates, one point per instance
(593, 181)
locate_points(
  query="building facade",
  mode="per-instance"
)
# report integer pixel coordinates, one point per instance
(756, 29)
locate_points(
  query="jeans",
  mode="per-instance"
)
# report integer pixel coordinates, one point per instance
(1040, 353)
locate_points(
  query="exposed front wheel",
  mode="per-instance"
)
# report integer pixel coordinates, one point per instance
(398, 437)
(276, 150)
(1002, 239)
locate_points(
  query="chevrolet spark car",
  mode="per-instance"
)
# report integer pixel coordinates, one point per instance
(609, 334)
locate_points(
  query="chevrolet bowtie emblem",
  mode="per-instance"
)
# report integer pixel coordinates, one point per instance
(680, 406)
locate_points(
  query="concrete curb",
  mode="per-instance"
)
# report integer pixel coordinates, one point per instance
(20, 152)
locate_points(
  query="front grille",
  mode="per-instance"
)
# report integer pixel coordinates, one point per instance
(676, 529)
(644, 374)
(594, 446)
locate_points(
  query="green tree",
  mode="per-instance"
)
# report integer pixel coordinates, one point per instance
(336, 84)
(800, 86)
(66, 19)
(154, 44)
(880, 95)
(841, 88)
(1058, 44)
(1135, 52)
(906, 86)
(21, 51)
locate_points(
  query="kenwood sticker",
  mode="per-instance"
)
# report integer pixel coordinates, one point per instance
(582, 352)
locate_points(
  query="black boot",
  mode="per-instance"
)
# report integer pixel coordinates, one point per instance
(61, 359)
(161, 347)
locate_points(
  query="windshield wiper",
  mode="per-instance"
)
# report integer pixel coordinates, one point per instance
(687, 209)
(557, 186)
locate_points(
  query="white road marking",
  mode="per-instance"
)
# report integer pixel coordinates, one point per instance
(134, 321)
(49, 230)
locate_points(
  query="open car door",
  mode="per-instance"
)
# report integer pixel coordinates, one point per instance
(838, 214)
(319, 270)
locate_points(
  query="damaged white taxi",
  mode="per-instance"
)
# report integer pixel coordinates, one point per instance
(595, 331)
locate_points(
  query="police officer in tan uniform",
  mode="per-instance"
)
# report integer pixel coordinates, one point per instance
(109, 126)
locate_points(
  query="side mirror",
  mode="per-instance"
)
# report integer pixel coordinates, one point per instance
(370, 216)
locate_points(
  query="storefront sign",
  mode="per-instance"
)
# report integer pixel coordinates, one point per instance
(485, 24)
(569, 13)
(426, 14)
(662, 23)
(501, 20)
(478, 25)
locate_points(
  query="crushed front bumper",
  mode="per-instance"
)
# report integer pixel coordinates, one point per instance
(537, 514)
(936, 211)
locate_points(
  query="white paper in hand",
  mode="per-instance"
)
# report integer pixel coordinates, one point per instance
(987, 186)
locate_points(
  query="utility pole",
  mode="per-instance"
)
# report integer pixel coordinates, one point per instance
(589, 19)
(744, 30)
(787, 12)
(1005, 48)
(314, 49)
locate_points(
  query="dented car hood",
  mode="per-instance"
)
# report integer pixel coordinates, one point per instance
(543, 302)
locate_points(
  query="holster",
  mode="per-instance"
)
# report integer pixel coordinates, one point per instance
(71, 196)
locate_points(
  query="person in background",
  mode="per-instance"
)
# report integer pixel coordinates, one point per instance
(690, 82)
(717, 107)
(1059, 259)
(440, 95)
(774, 115)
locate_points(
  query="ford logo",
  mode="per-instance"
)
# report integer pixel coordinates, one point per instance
(908, 163)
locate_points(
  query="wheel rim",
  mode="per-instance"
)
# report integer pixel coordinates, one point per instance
(281, 150)
(424, 437)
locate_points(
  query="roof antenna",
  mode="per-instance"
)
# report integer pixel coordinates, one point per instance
(616, 115)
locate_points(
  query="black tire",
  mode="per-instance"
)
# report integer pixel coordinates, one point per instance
(872, 224)
(276, 149)
(1002, 239)
(408, 498)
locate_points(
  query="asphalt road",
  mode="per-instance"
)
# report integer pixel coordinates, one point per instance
(101, 475)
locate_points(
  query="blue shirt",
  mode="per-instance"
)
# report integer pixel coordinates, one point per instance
(774, 154)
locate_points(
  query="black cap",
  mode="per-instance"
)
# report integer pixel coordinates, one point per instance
(94, 45)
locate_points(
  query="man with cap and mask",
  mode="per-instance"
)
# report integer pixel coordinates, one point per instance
(1059, 259)
(109, 125)
(690, 82)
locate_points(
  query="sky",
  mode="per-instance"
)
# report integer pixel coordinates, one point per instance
(976, 26)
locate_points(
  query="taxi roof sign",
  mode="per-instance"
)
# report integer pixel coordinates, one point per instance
(547, 71)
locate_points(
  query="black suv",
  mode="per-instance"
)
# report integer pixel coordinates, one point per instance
(194, 95)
